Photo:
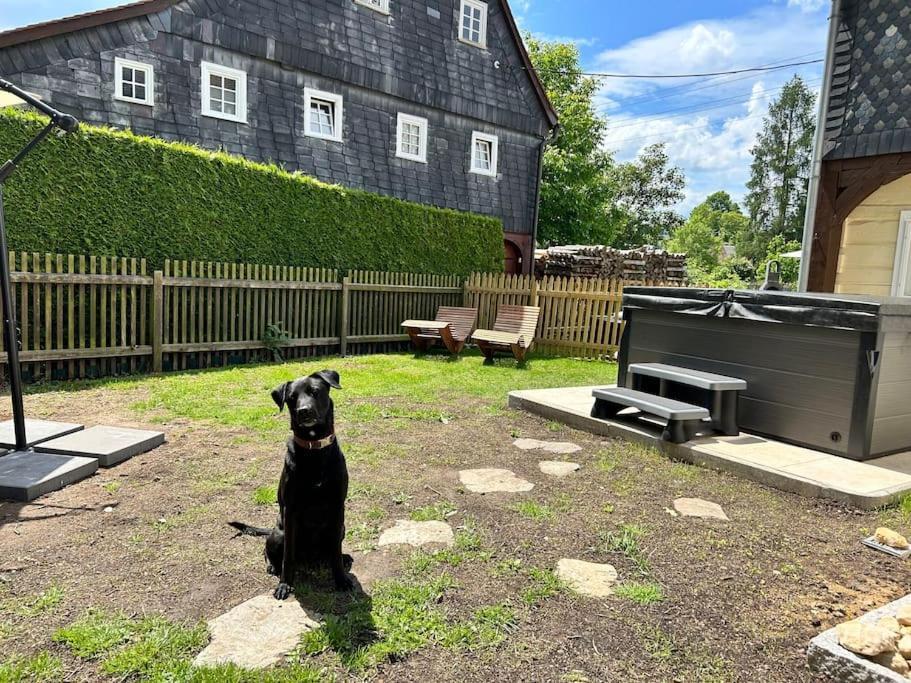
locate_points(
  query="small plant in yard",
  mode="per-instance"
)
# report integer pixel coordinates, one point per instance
(487, 627)
(532, 510)
(642, 593)
(433, 513)
(41, 603)
(554, 426)
(626, 541)
(112, 487)
(544, 584)
(266, 495)
(375, 514)
(41, 668)
(275, 338)
(512, 567)
(363, 537)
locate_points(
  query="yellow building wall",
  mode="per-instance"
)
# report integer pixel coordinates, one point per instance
(867, 256)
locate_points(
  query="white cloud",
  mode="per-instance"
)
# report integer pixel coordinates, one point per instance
(709, 125)
(808, 5)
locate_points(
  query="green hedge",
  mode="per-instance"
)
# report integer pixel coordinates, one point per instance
(107, 192)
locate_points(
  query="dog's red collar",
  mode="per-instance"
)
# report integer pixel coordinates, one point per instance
(314, 445)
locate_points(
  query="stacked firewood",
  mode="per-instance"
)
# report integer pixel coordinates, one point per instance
(646, 264)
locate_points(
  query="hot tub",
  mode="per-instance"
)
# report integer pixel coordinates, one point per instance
(830, 372)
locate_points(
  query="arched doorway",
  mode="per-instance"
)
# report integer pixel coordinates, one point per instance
(513, 261)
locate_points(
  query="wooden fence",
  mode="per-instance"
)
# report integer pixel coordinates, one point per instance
(87, 316)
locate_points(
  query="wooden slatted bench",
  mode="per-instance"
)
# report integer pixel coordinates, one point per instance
(683, 419)
(452, 327)
(514, 331)
(722, 391)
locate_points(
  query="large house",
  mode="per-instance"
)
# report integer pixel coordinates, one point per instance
(432, 101)
(858, 232)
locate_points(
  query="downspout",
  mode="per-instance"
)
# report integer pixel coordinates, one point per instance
(825, 94)
(549, 139)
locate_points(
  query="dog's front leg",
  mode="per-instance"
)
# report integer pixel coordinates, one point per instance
(289, 558)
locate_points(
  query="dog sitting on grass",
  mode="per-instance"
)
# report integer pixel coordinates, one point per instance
(312, 489)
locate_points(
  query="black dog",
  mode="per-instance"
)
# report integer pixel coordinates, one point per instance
(312, 489)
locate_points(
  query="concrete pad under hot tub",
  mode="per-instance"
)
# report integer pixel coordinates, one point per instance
(866, 485)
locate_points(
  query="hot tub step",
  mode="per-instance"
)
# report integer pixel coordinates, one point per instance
(683, 419)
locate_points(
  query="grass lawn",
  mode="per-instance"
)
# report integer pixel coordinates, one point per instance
(113, 579)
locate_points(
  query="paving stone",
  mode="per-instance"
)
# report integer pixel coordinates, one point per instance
(559, 469)
(406, 532)
(110, 445)
(704, 509)
(558, 448)
(493, 481)
(587, 578)
(25, 476)
(256, 634)
(36, 431)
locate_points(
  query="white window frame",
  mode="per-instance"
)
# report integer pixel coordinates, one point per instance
(208, 69)
(148, 69)
(382, 8)
(422, 125)
(474, 4)
(494, 141)
(338, 103)
(901, 276)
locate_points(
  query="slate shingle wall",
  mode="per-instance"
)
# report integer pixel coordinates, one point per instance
(870, 107)
(410, 62)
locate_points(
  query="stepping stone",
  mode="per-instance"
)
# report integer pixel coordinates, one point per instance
(109, 445)
(36, 431)
(704, 509)
(25, 476)
(493, 481)
(587, 578)
(406, 532)
(256, 634)
(559, 469)
(558, 448)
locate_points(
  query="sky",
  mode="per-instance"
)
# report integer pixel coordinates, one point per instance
(708, 124)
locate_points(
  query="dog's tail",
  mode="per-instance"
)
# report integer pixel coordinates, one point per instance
(247, 530)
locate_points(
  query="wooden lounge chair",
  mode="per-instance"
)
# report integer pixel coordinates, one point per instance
(513, 332)
(453, 326)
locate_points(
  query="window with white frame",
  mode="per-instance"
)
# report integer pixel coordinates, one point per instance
(224, 92)
(484, 154)
(323, 113)
(901, 279)
(412, 138)
(134, 81)
(473, 22)
(378, 5)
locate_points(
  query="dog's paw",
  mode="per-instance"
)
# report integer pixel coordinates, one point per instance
(272, 571)
(347, 562)
(283, 592)
(343, 584)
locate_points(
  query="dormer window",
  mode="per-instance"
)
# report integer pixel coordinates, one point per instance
(473, 23)
(381, 6)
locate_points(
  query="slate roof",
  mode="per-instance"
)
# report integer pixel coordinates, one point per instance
(870, 107)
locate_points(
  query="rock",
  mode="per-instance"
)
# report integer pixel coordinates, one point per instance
(559, 469)
(904, 615)
(894, 661)
(904, 646)
(905, 630)
(406, 532)
(587, 578)
(866, 639)
(493, 481)
(890, 538)
(890, 624)
(256, 634)
(696, 507)
(560, 448)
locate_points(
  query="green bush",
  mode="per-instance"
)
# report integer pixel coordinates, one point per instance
(108, 192)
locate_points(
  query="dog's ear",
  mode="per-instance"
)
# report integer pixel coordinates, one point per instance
(280, 395)
(331, 378)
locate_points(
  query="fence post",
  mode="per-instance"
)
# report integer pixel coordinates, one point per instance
(157, 320)
(534, 290)
(343, 321)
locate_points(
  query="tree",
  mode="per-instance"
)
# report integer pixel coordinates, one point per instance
(710, 225)
(575, 190)
(782, 159)
(646, 189)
